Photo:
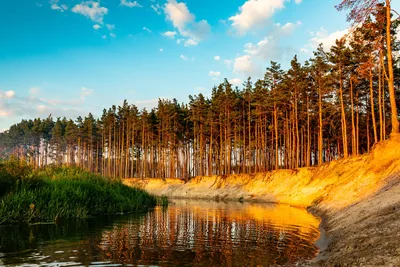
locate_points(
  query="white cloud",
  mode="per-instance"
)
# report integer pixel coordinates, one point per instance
(178, 14)
(183, 57)
(200, 89)
(184, 21)
(7, 94)
(5, 113)
(170, 34)
(14, 107)
(179, 41)
(327, 39)
(110, 27)
(86, 92)
(55, 6)
(157, 8)
(112, 35)
(161, 50)
(148, 104)
(228, 63)
(92, 10)
(146, 29)
(256, 55)
(41, 108)
(254, 14)
(288, 28)
(130, 4)
(269, 48)
(34, 91)
(214, 74)
(236, 81)
(191, 42)
(96, 27)
(304, 50)
(297, 1)
(217, 58)
(244, 64)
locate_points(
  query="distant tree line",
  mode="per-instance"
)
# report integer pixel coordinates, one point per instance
(337, 104)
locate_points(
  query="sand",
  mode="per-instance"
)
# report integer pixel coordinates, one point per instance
(358, 199)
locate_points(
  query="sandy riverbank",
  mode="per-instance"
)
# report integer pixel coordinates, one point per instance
(358, 199)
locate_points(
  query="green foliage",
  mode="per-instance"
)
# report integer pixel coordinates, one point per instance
(52, 193)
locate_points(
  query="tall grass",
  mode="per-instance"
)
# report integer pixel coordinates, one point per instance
(29, 195)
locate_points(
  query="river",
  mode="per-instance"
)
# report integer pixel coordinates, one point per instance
(187, 233)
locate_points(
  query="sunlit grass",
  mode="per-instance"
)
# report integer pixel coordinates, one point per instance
(29, 195)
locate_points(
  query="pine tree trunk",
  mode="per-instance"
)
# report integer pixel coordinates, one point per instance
(371, 98)
(392, 93)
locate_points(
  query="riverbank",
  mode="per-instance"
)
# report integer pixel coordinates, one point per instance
(52, 194)
(358, 199)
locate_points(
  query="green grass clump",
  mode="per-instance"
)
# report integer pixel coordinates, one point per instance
(51, 193)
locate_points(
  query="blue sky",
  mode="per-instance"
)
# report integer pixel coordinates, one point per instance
(70, 57)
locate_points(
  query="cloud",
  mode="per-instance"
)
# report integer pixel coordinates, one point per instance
(288, 28)
(254, 14)
(110, 27)
(146, 29)
(112, 35)
(178, 14)
(297, 1)
(183, 57)
(7, 94)
(96, 27)
(267, 49)
(148, 104)
(86, 92)
(130, 4)
(13, 107)
(217, 58)
(264, 49)
(42, 108)
(244, 64)
(184, 22)
(236, 81)
(304, 50)
(200, 89)
(157, 8)
(170, 34)
(161, 50)
(55, 6)
(327, 39)
(214, 74)
(228, 63)
(191, 42)
(92, 10)
(34, 91)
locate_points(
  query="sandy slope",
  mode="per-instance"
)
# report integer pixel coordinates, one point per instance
(358, 198)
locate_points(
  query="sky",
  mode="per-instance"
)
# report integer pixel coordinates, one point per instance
(72, 57)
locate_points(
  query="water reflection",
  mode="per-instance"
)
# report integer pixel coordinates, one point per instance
(184, 234)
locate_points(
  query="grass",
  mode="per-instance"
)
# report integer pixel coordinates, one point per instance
(29, 196)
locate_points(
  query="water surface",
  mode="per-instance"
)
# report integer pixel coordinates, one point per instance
(187, 233)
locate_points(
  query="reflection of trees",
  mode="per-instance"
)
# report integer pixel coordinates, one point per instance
(206, 237)
(205, 234)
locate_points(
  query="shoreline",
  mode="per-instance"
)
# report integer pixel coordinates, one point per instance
(357, 200)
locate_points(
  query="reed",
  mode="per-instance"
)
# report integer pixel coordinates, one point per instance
(50, 194)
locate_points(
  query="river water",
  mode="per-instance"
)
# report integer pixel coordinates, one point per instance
(187, 233)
